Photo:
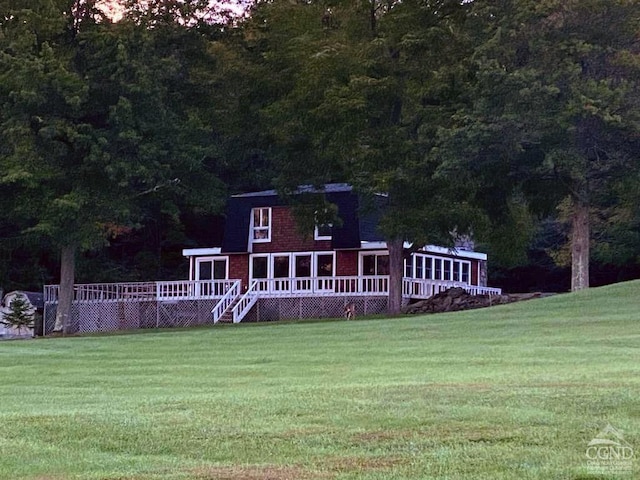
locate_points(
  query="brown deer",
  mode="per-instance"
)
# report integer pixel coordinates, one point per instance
(350, 311)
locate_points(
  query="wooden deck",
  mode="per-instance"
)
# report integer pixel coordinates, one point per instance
(102, 307)
(265, 288)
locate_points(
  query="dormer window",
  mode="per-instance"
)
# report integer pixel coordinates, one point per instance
(261, 225)
(323, 227)
(323, 232)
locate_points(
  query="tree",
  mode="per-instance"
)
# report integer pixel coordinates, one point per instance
(365, 86)
(557, 94)
(99, 121)
(20, 314)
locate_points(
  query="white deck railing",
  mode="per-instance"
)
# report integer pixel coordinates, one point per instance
(135, 292)
(226, 301)
(322, 286)
(193, 289)
(476, 290)
(419, 288)
(245, 303)
(275, 287)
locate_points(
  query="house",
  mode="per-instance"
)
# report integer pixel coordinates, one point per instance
(269, 260)
(265, 269)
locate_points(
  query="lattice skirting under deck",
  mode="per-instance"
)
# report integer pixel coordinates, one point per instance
(88, 317)
(111, 316)
(271, 309)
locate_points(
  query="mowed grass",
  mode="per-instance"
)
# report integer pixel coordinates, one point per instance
(510, 392)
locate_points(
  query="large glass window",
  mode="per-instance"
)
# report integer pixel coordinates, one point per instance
(260, 267)
(419, 267)
(368, 264)
(297, 265)
(375, 264)
(438, 268)
(465, 272)
(382, 265)
(205, 270)
(324, 264)
(408, 268)
(447, 269)
(211, 268)
(281, 266)
(434, 268)
(302, 265)
(261, 225)
(456, 271)
(428, 267)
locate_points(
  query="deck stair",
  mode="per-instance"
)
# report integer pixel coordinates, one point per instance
(245, 303)
(226, 304)
(227, 315)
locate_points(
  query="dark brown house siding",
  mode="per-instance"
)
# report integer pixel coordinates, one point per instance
(346, 263)
(285, 236)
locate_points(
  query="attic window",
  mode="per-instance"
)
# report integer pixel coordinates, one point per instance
(323, 226)
(261, 225)
(323, 232)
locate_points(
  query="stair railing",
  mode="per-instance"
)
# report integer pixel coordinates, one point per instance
(226, 301)
(247, 301)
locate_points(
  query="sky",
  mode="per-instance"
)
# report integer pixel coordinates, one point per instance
(111, 8)
(114, 9)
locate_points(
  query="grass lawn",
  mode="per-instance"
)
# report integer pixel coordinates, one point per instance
(510, 392)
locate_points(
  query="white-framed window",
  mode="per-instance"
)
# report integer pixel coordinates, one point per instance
(465, 269)
(261, 225)
(437, 275)
(374, 263)
(325, 264)
(438, 268)
(447, 270)
(323, 232)
(303, 265)
(259, 267)
(281, 265)
(293, 272)
(457, 270)
(212, 268)
(323, 228)
(292, 265)
(408, 268)
(324, 270)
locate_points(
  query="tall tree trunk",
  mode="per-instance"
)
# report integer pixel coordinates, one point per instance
(65, 294)
(396, 271)
(373, 24)
(580, 243)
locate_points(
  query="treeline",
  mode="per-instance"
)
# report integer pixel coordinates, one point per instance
(515, 121)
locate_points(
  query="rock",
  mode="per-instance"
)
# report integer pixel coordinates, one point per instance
(455, 299)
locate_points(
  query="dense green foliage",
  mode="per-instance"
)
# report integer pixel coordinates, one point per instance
(557, 95)
(515, 391)
(118, 140)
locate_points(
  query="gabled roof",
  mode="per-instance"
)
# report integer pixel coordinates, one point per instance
(355, 227)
